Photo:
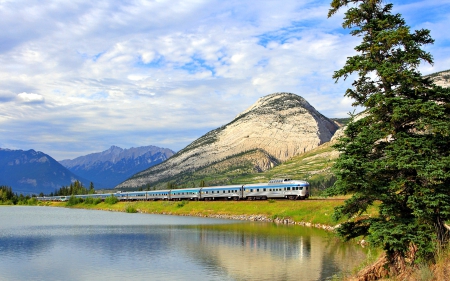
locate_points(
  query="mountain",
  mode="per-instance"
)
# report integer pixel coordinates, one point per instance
(441, 78)
(33, 172)
(274, 129)
(111, 167)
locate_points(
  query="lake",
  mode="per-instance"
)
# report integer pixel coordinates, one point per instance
(46, 243)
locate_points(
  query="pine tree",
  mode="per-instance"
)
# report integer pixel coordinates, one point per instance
(396, 153)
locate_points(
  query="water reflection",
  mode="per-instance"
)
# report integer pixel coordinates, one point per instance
(270, 252)
(117, 246)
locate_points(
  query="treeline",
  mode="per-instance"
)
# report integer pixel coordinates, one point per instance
(8, 197)
(319, 185)
(75, 188)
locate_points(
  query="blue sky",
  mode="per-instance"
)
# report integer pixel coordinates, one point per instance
(79, 76)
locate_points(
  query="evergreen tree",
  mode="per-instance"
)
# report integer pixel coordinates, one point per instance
(171, 185)
(396, 152)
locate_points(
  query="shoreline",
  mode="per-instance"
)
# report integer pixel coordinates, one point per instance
(304, 213)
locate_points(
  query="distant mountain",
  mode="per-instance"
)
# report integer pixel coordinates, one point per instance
(111, 167)
(33, 172)
(274, 129)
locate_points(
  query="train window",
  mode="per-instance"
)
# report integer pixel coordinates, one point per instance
(306, 188)
(257, 189)
(251, 190)
(264, 189)
(300, 188)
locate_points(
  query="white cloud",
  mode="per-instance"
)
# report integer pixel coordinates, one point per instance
(30, 97)
(133, 73)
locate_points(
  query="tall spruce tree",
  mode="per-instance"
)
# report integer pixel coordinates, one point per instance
(396, 153)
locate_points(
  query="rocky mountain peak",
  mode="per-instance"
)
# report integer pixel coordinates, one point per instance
(281, 125)
(276, 101)
(112, 166)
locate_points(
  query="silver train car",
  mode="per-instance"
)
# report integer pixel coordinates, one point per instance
(274, 189)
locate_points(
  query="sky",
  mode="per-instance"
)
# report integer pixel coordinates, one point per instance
(77, 77)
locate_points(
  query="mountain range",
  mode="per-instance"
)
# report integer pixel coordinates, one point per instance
(33, 172)
(114, 165)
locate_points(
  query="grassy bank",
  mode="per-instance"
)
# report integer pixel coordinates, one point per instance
(314, 211)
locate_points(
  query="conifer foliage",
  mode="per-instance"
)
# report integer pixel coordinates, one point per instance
(396, 153)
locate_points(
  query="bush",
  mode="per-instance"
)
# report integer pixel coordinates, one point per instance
(32, 201)
(130, 209)
(73, 201)
(92, 201)
(111, 200)
(182, 203)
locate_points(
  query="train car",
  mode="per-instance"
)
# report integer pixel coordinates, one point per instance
(122, 196)
(155, 195)
(227, 192)
(277, 189)
(185, 194)
(136, 196)
(101, 196)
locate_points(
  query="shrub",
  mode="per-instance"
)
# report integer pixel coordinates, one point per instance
(130, 209)
(32, 201)
(89, 200)
(182, 203)
(111, 200)
(73, 201)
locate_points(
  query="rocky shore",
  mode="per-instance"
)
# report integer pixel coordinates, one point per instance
(259, 218)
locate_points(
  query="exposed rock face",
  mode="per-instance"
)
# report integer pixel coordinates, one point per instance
(441, 78)
(114, 165)
(282, 125)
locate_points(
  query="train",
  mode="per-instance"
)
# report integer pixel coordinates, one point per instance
(274, 189)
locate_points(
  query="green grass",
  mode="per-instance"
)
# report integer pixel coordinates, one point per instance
(315, 211)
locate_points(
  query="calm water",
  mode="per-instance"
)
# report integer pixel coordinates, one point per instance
(44, 243)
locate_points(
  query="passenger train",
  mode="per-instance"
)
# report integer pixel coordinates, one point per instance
(274, 189)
